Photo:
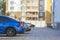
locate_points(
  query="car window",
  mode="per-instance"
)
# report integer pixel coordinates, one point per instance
(3, 19)
(12, 20)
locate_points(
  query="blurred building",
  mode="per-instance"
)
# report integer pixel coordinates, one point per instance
(56, 10)
(37, 12)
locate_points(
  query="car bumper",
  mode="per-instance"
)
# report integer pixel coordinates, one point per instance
(20, 30)
(27, 29)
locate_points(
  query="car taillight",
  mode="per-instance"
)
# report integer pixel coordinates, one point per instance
(21, 23)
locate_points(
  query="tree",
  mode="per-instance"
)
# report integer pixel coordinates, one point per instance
(3, 3)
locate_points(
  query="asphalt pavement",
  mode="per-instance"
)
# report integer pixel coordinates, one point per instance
(36, 34)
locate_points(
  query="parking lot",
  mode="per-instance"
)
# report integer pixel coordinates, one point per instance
(36, 34)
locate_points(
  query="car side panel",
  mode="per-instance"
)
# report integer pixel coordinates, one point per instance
(10, 24)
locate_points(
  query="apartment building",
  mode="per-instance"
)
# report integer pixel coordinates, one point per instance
(37, 12)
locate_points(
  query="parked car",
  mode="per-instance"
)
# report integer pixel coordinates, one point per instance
(31, 25)
(10, 26)
(27, 28)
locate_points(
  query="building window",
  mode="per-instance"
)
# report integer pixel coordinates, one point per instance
(34, 7)
(41, 19)
(28, 18)
(28, 13)
(34, 13)
(41, 14)
(22, 1)
(11, 2)
(11, 8)
(34, 18)
(41, 8)
(28, 7)
(28, 1)
(41, 2)
(22, 7)
(33, 1)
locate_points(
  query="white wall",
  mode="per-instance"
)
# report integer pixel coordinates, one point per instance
(38, 23)
(57, 11)
(17, 5)
(56, 6)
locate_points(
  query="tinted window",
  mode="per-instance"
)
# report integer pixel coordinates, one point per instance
(3, 19)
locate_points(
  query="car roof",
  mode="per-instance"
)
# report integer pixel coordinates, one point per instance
(8, 17)
(4, 16)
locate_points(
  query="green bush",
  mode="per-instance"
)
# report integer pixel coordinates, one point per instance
(50, 26)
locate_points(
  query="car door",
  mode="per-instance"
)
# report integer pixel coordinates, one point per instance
(3, 24)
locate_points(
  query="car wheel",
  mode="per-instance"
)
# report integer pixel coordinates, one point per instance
(10, 32)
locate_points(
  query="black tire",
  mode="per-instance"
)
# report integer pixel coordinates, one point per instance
(10, 32)
(28, 30)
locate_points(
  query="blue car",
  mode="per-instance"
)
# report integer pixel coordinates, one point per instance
(10, 26)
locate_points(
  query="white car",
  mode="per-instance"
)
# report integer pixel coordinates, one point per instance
(26, 26)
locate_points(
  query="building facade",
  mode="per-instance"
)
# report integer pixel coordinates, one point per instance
(37, 12)
(56, 10)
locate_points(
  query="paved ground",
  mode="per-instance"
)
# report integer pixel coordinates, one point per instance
(36, 34)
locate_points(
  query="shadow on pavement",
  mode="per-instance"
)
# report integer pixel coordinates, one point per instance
(18, 35)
